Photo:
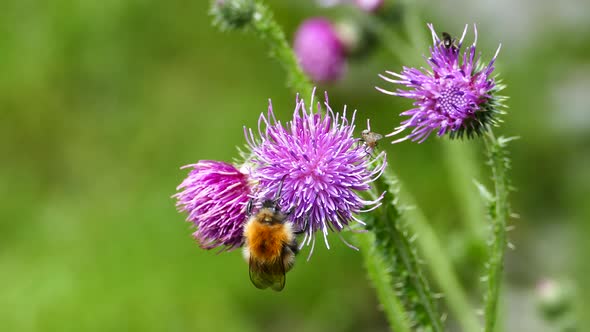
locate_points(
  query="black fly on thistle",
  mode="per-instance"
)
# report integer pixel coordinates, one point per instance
(449, 42)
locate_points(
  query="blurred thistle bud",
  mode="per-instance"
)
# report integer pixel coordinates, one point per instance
(370, 6)
(329, 3)
(319, 50)
(232, 14)
(357, 40)
(555, 299)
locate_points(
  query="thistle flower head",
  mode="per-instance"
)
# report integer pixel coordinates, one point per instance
(215, 195)
(319, 50)
(457, 96)
(321, 165)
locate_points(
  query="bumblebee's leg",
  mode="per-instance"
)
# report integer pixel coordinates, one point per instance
(288, 258)
(305, 226)
(279, 189)
(294, 246)
(289, 213)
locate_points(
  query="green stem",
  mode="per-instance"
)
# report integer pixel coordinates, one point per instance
(269, 30)
(440, 267)
(414, 25)
(461, 163)
(256, 17)
(395, 243)
(499, 212)
(378, 271)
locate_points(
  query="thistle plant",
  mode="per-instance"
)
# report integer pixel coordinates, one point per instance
(320, 167)
(330, 180)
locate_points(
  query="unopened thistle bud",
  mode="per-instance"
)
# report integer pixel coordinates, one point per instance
(554, 298)
(358, 41)
(232, 14)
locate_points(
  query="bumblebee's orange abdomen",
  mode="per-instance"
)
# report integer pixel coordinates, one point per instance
(265, 242)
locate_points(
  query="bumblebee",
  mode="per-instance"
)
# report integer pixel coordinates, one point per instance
(270, 244)
(448, 41)
(370, 138)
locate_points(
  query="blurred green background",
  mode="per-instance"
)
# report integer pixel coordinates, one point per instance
(101, 102)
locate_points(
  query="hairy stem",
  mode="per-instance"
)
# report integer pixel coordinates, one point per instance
(254, 16)
(499, 211)
(441, 267)
(395, 243)
(461, 164)
(378, 271)
(269, 30)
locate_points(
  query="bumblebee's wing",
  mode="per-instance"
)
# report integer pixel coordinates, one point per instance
(268, 275)
(279, 278)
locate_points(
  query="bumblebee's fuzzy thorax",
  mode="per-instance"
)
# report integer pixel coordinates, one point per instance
(265, 240)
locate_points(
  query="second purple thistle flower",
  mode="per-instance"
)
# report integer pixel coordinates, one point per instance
(458, 96)
(215, 195)
(322, 165)
(319, 50)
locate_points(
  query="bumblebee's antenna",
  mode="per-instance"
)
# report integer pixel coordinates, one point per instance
(272, 203)
(278, 194)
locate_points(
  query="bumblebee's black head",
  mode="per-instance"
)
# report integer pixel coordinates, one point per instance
(270, 204)
(270, 213)
(273, 203)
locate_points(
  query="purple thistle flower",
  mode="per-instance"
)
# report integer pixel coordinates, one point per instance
(215, 195)
(319, 50)
(321, 164)
(458, 96)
